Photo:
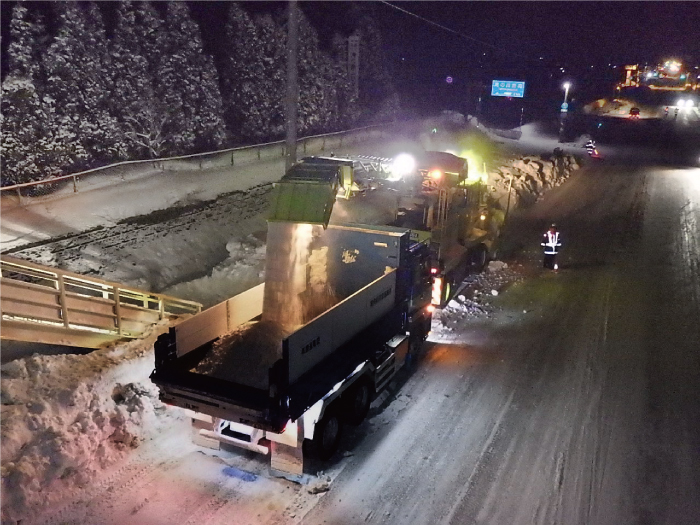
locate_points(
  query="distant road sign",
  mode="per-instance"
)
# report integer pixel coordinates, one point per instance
(565, 107)
(508, 88)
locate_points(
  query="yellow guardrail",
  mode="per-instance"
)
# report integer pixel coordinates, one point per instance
(47, 305)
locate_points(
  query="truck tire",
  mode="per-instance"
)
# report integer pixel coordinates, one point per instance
(327, 434)
(356, 402)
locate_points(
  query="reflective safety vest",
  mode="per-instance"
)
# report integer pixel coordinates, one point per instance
(551, 242)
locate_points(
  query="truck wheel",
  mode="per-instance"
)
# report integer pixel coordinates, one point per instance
(478, 259)
(357, 402)
(327, 435)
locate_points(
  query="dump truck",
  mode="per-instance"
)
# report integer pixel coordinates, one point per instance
(343, 308)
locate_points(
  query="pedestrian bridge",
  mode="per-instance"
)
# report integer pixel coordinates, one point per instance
(45, 305)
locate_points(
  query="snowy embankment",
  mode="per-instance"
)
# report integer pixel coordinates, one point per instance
(529, 177)
(68, 418)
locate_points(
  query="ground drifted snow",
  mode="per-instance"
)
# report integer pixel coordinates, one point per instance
(66, 418)
(472, 299)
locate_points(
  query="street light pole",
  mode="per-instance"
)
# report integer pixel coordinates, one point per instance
(292, 100)
(564, 111)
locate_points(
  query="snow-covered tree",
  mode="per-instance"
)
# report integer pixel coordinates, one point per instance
(78, 81)
(241, 75)
(141, 114)
(271, 93)
(188, 85)
(348, 103)
(315, 111)
(36, 143)
(28, 39)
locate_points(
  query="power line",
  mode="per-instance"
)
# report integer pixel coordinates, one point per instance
(453, 31)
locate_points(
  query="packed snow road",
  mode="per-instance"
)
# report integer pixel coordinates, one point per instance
(577, 403)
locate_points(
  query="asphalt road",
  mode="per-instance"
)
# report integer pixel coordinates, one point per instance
(583, 410)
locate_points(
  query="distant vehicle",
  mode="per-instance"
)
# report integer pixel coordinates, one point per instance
(634, 113)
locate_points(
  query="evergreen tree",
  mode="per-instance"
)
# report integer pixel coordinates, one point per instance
(348, 104)
(36, 143)
(272, 81)
(188, 85)
(314, 108)
(140, 113)
(241, 74)
(77, 68)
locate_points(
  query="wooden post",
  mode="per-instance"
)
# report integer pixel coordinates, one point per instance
(117, 309)
(62, 300)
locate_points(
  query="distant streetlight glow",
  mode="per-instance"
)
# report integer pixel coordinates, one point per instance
(564, 106)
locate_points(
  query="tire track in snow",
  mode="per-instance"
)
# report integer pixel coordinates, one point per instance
(125, 479)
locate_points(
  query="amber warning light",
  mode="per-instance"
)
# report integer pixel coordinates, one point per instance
(437, 291)
(435, 174)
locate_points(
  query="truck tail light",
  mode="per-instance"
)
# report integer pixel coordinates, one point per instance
(436, 297)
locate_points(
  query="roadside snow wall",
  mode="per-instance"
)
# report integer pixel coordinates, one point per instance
(532, 176)
(66, 417)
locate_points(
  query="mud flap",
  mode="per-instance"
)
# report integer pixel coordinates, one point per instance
(286, 455)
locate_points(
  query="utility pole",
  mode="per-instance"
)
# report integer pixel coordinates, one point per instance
(292, 86)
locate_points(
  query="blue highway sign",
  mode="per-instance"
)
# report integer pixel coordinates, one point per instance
(508, 88)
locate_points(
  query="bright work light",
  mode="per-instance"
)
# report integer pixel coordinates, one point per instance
(404, 164)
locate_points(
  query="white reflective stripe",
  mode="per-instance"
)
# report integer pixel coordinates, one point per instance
(552, 242)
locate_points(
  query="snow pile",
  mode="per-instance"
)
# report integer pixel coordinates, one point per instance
(472, 300)
(620, 108)
(67, 417)
(531, 176)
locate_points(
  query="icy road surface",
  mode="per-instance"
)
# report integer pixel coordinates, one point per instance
(583, 410)
(574, 401)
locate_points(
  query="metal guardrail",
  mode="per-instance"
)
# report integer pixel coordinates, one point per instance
(47, 305)
(222, 158)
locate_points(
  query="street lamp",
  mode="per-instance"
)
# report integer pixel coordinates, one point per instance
(565, 106)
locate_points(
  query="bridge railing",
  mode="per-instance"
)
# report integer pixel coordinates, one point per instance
(47, 305)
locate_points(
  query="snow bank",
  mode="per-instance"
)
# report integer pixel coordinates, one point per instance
(620, 108)
(67, 417)
(472, 301)
(531, 175)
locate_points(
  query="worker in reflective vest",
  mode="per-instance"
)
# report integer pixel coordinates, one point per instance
(551, 244)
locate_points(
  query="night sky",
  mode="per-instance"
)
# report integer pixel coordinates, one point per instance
(525, 40)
